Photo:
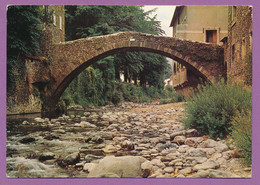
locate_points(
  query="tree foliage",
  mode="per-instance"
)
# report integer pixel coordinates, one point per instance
(23, 34)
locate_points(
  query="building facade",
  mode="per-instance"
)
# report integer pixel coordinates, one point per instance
(196, 23)
(53, 26)
(238, 45)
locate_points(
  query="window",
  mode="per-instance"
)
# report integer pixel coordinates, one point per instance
(250, 41)
(60, 21)
(54, 18)
(234, 13)
(233, 52)
(243, 48)
(211, 36)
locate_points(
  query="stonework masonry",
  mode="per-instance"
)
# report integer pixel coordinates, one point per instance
(205, 60)
(49, 78)
(238, 44)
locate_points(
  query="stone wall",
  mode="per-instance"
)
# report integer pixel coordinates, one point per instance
(27, 97)
(238, 44)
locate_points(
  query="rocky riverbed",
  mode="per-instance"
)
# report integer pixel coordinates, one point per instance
(131, 140)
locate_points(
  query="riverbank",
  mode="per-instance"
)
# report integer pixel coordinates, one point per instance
(147, 140)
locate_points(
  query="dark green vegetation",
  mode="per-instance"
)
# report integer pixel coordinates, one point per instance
(242, 135)
(220, 110)
(23, 37)
(100, 84)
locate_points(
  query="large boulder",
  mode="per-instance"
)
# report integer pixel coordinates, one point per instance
(111, 166)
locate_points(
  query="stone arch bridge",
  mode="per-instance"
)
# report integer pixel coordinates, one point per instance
(70, 58)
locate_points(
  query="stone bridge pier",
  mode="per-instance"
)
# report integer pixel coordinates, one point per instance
(70, 58)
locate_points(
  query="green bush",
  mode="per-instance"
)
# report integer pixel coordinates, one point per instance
(211, 109)
(178, 97)
(153, 92)
(169, 88)
(117, 98)
(164, 101)
(242, 135)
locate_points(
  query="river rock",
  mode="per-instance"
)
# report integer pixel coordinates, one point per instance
(27, 140)
(71, 159)
(89, 167)
(95, 139)
(111, 148)
(98, 152)
(212, 173)
(158, 162)
(79, 165)
(198, 160)
(89, 158)
(26, 123)
(169, 169)
(221, 147)
(180, 176)
(179, 140)
(186, 171)
(147, 165)
(108, 135)
(201, 174)
(160, 147)
(61, 131)
(177, 133)
(87, 114)
(227, 155)
(85, 124)
(191, 133)
(196, 152)
(128, 145)
(51, 137)
(221, 174)
(210, 143)
(183, 148)
(127, 166)
(46, 156)
(216, 156)
(221, 161)
(210, 164)
(193, 141)
(154, 141)
(39, 120)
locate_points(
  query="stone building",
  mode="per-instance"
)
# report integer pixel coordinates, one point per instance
(53, 26)
(238, 44)
(196, 23)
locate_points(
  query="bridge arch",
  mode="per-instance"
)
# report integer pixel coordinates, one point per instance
(72, 57)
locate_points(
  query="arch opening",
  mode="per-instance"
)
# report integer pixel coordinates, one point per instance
(68, 79)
